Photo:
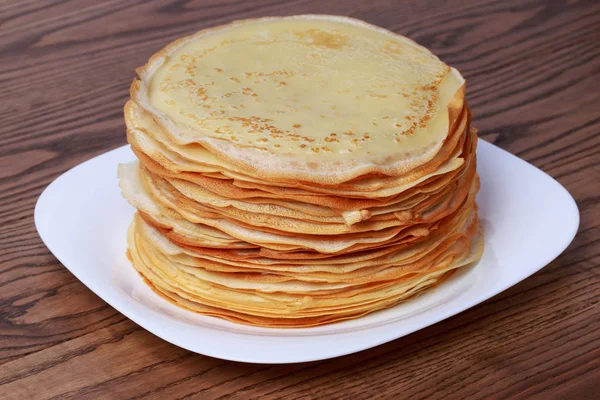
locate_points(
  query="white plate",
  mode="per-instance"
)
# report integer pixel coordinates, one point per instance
(528, 220)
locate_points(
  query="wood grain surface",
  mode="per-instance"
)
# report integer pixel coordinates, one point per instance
(533, 82)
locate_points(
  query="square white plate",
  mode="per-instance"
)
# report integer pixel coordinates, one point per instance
(528, 220)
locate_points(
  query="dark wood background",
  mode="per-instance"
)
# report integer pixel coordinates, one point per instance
(533, 74)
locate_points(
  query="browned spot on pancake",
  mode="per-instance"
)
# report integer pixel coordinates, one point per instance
(201, 93)
(430, 108)
(187, 83)
(393, 47)
(332, 137)
(329, 39)
(248, 92)
(190, 70)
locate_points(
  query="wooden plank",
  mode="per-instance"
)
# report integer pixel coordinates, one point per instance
(533, 82)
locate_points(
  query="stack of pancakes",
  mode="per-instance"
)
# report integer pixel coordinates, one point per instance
(299, 171)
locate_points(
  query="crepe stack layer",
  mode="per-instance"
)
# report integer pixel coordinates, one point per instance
(299, 171)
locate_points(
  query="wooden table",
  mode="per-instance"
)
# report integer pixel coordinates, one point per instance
(533, 73)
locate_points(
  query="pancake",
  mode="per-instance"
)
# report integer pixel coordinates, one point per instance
(295, 308)
(299, 171)
(286, 98)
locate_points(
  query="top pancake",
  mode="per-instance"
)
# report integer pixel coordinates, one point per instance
(320, 99)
